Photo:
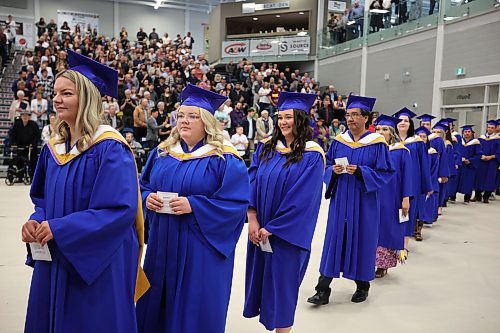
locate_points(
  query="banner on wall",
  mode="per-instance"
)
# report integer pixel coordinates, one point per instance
(235, 48)
(74, 18)
(266, 46)
(24, 34)
(294, 45)
(263, 47)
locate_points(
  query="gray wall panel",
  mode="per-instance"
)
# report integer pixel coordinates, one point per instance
(418, 60)
(477, 49)
(344, 72)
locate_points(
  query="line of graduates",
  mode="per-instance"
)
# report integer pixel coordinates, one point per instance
(196, 194)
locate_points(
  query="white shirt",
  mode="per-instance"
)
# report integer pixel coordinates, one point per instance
(239, 142)
(49, 72)
(38, 106)
(264, 99)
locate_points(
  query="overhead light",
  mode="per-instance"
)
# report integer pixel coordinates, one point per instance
(302, 33)
(158, 3)
(278, 15)
(449, 18)
(301, 13)
(255, 18)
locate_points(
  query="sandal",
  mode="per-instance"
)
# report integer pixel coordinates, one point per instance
(380, 273)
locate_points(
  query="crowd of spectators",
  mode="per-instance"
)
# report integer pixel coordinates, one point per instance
(153, 70)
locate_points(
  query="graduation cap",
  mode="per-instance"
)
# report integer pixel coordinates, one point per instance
(103, 77)
(294, 100)
(467, 127)
(451, 120)
(423, 129)
(426, 117)
(205, 99)
(405, 112)
(362, 102)
(442, 124)
(384, 120)
(492, 122)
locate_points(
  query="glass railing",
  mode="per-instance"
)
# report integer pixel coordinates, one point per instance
(401, 19)
(462, 9)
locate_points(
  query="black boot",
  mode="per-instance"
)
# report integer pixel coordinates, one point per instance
(467, 198)
(322, 296)
(361, 293)
(486, 197)
(477, 196)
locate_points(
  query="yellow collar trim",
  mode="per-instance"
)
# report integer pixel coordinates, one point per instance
(202, 152)
(397, 146)
(432, 151)
(371, 139)
(471, 142)
(412, 139)
(310, 146)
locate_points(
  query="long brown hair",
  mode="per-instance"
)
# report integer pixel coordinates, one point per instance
(302, 132)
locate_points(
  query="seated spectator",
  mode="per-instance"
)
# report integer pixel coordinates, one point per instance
(112, 118)
(18, 105)
(39, 107)
(48, 131)
(26, 134)
(264, 126)
(240, 141)
(321, 135)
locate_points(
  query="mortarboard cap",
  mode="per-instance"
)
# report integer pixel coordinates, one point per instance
(467, 127)
(451, 120)
(362, 102)
(294, 100)
(425, 117)
(205, 99)
(492, 122)
(442, 124)
(404, 112)
(384, 120)
(103, 77)
(423, 129)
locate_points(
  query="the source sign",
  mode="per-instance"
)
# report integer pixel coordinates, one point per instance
(266, 46)
(294, 45)
(263, 47)
(236, 48)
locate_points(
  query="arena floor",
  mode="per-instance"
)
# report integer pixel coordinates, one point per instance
(449, 284)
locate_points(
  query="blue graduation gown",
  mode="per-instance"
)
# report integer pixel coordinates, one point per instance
(487, 170)
(90, 201)
(471, 151)
(354, 215)
(427, 204)
(438, 144)
(287, 201)
(420, 177)
(392, 233)
(457, 159)
(452, 171)
(190, 257)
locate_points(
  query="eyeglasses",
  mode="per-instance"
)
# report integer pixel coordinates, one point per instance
(190, 117)
(353, 115)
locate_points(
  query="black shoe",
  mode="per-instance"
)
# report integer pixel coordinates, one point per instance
(486, 200)
(320, 298)
(360, 296)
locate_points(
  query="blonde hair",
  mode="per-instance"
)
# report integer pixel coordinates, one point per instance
(90, 113)
(213, 135)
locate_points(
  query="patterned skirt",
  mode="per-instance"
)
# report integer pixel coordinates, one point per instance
(386, 258)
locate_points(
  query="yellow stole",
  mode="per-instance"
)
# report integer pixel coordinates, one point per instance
(142, 283)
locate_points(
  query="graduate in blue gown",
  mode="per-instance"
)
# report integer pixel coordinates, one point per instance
(354, 215)
(488, 165)
(194, 227)
(457, 157)
(420, 170)
(447, 160)
(87, 210)
(471, 155)
(427, 202)
(437, 142)
(286, 179)
(395, 197)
